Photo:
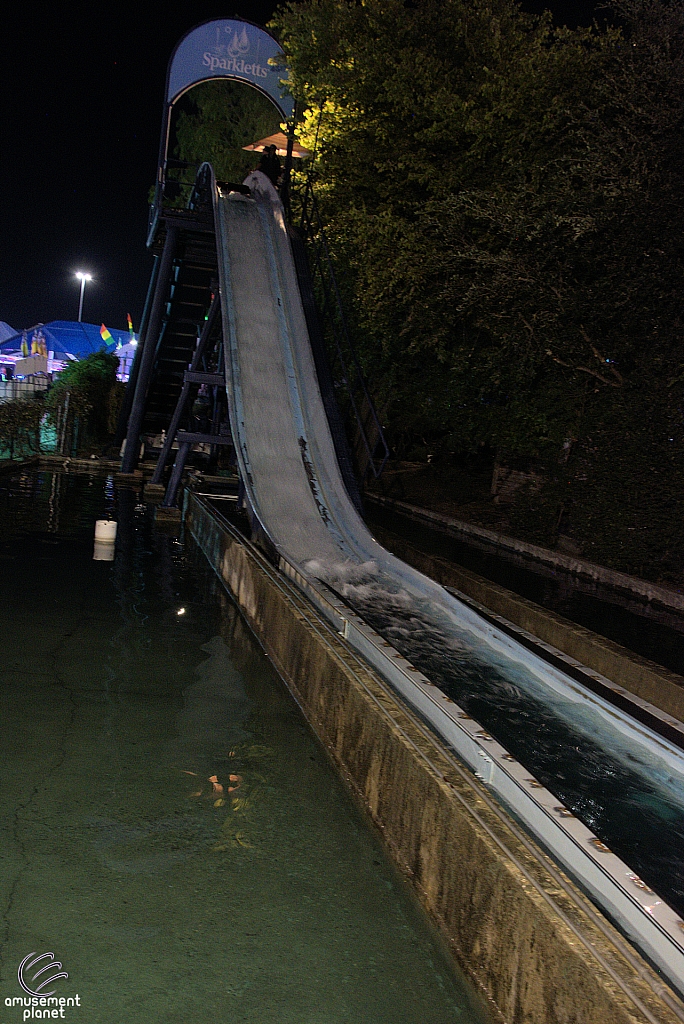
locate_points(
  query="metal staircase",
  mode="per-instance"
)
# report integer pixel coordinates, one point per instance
(180, 353)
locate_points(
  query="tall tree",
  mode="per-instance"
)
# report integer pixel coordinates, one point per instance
(507, 203)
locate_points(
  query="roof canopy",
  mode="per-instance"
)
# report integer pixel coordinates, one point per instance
(6, 331)
(67, 339)
(279, 140)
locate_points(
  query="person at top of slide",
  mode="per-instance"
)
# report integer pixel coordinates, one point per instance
(262, 181)
(269, 164)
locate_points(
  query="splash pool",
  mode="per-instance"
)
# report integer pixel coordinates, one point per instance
(171, 830)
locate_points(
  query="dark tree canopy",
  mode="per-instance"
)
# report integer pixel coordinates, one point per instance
(506, 204)
(216, 119)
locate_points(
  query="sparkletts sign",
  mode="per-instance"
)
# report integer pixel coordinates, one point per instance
(230, 49)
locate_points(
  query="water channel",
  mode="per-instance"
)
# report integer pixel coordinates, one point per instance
(653, 632)
(169, 826)
(630, 793)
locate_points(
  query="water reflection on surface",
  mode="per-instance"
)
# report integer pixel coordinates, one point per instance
(171, 828)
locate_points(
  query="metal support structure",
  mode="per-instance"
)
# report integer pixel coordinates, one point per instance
(176, 474)
(186, 440)
(133, 375)
(204, 378)
(191, 377)
(287, 172)
(218, 389)
(198, 437)
(135, 421)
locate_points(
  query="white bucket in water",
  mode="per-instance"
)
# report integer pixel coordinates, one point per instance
(103, 551)
(105, 530)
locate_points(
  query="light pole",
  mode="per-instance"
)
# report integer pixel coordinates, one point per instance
(82, 278)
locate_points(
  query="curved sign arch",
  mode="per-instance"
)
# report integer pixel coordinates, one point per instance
(230, 48)
(224, 48)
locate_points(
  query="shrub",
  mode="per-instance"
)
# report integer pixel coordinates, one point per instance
(20, 424)
(82, 401)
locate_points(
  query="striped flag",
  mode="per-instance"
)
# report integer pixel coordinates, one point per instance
(105, 335)
(130, 324)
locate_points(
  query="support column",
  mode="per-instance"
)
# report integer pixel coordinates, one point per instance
(122, 424)
(180, 405)
(176, 474)
(285, 184)
(135, 421)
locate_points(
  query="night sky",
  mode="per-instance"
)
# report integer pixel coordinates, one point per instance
(81, 100)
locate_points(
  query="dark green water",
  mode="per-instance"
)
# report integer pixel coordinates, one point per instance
(167, 899)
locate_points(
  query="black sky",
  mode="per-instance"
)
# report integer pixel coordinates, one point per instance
(80, 110)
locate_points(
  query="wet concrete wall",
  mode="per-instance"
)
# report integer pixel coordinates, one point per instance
(526, 936)
(645, 679)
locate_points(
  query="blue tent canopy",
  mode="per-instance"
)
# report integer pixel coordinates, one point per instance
(67, 339)
(6, 331)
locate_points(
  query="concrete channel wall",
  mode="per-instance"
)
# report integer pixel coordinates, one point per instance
(645, 679)
(533, 554)
(528, 938)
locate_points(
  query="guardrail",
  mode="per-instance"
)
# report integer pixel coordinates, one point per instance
(13, 389)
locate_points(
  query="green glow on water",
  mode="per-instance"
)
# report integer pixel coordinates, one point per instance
(169, 826)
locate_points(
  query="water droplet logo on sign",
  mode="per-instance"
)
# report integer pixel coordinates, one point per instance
(51, 965)
(238, 47)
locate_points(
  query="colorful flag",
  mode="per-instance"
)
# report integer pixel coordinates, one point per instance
(105, 335)
(130, 324)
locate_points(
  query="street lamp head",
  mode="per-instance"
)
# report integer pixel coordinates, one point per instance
(82, 277)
